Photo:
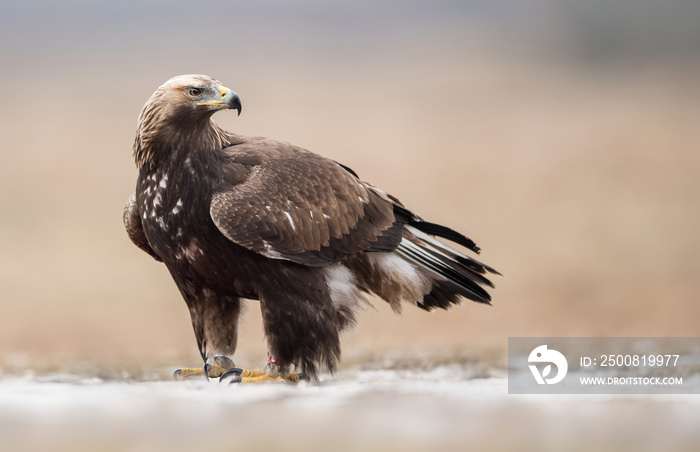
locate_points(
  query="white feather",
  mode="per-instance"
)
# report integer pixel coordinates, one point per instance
(289, 217)
(343, 287)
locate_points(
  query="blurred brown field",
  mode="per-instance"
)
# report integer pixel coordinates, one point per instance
(579, 182)
(561, 136)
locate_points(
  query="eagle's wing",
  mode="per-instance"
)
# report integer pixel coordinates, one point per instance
(133, 226)
(307, 209)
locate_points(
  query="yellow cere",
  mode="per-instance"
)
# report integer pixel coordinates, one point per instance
(223, 91)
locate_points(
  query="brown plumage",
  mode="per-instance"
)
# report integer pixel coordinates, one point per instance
(236, 217)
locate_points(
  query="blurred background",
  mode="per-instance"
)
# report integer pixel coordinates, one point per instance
(561, 136)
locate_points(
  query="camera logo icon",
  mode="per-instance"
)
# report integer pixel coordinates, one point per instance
(542, 355)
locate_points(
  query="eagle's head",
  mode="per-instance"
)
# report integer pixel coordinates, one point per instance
(180, 110)
(193, 96)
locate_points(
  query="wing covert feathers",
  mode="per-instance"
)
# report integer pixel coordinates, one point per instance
(305, 209)
(301, 207)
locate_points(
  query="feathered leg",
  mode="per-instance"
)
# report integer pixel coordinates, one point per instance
(301, 327)
(215, 323)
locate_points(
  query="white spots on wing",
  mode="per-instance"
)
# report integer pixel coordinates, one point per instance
(178, 207)
(162, 224)
(270, 251)
(188, 165)
(268, 208)
(156, 202)
(150, 185)
(153, 191)
(289, 217)
(189, 252)
(361, 199)
(179, 232)
(343, 288)
(326, 216)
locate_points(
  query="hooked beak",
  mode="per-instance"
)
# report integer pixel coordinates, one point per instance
(227, 99)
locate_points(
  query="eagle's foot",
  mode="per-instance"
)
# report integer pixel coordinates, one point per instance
(272, 373)
(214, 368)
(185, 373)
(238, 375)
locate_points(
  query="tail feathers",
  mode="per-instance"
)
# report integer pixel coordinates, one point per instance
(444, 269)
(454, 274)
(442, 295)
(463, 259)
(446, 233)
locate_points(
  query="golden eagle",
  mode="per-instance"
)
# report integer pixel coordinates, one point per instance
(236, 217)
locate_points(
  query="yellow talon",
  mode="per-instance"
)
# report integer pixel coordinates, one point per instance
(263, 379)
(293, 378)
(215, 370)
(212, 369)
(187, 372)
(257, 376)
(251, 374)
(246, 376)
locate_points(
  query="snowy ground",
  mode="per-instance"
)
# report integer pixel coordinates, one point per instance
(355, 410)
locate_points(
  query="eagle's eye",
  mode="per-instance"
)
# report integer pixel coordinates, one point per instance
(194, 92)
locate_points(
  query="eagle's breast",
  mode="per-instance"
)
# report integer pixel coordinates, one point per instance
(172, 212)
